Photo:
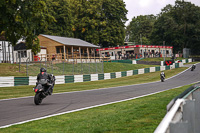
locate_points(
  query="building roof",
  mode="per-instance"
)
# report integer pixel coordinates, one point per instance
(70, 41)
(20, 46)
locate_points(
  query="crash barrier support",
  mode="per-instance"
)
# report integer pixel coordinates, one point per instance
(31, 80)
(7, 81)
(183, 115)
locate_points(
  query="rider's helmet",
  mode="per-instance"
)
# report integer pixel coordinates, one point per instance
(162, 72)
(43, 70)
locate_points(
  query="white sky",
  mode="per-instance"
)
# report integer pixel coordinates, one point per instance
(147, 7)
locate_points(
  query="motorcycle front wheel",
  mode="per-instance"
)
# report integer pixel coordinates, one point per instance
(37, 99)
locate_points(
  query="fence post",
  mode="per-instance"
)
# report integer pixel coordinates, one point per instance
(81, 66)
(96, 64)
(102, 66)
(19, 61)
(52, 67)
(73, 62)
(46, 63)
(63, 66)
(27, 67)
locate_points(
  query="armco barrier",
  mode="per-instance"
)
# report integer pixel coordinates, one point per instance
(107, 76)
(6, 81)
(112, 75)
(157, 68)
(78, 78)
(129, 73)
(86, 78)
(141, 71)
(146, 70)
(100, 76)
(135, 72)
(31, 80)
(123, 74)
(69, 79)
(21, 81)
(60, 79)
(183, 115)
(94, 77)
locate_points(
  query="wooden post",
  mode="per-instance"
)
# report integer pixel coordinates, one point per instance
(88, 53)
(64, 52)
(80, 54)
(94, 55)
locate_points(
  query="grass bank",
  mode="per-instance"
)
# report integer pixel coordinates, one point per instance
(69, 69)
(22, 91)
(140, 115)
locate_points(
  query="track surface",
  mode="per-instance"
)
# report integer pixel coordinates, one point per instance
(17, 110)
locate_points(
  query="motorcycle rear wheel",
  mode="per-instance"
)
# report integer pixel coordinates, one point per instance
(37, 99)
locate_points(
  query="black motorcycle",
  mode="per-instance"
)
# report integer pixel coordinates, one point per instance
(193, 67)
(162, 77)
(43, 88)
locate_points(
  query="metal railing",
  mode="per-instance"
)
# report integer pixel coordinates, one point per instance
(57, 65)
(183, 113)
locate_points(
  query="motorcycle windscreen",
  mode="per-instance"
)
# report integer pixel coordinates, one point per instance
(43, 81)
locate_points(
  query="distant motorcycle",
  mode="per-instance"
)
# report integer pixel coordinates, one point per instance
(193, 67)
(43, 88)
(162, 76)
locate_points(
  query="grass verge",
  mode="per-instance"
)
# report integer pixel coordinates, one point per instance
(140, 115)
(69, 69)
(22, 91)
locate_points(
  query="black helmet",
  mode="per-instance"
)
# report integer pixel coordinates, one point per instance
(43, 70)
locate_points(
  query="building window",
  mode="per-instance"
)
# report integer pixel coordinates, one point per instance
(57, 50)
(22, 53)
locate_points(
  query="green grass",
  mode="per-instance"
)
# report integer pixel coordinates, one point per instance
(140, 115)
(119, 67)
(160, 59)
(57, 69)
(21, 91)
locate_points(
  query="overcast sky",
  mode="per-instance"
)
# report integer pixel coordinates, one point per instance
(146, 7)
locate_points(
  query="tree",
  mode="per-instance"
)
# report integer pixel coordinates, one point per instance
(62, 26)
(179, 26)
(20, 18)
(140, 28)
(113, 15)
(100, 21)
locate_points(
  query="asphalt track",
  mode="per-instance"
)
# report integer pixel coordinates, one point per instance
(23, 109)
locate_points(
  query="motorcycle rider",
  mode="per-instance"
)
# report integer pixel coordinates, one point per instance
(162, 74)
(44, 75)
(193, 67)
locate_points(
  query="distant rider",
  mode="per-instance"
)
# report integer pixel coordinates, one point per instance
(194, 66)
(46, 76)
(162, 74)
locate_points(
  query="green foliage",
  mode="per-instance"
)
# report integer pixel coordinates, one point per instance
(178, 26)
(61, 11)
(99, 22)
(20, 18)
(140, 28)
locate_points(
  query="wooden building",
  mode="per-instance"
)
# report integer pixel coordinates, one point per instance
(65, 47)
